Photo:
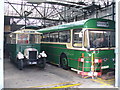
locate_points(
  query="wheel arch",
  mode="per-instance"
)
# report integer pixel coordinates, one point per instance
(61, 56)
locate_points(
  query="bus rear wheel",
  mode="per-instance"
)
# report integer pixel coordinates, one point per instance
(64, 62)
(11, 61)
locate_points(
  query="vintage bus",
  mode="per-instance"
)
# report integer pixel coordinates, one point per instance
(24, 47)
(85, 46)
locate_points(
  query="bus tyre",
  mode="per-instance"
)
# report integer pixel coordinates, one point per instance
(11, 61)
(20, 64)
(64, 62)
(41, 63)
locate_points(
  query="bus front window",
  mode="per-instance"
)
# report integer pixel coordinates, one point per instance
(22, 39)
(101, 39)
(28, 38)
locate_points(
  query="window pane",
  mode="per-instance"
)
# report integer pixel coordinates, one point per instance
(102, 39)
(45, 37)
(64, 36)
(54, 37)
(22, 39)
(13, 38)
(77, 38)
(37, 38)
(32, 38)
(112, 39)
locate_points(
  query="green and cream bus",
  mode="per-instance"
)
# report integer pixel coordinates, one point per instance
(85, 46)
(24, 47)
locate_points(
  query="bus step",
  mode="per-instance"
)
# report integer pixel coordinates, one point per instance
(78, 71)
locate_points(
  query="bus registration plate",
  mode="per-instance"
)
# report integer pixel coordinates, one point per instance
(32, 62)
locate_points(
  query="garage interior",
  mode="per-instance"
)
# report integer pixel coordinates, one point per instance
(47, 13)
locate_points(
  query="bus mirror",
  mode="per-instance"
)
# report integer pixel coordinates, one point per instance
(88, 48)
(80, 34)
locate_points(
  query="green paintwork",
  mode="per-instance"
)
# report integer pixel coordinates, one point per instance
(55, 50)
(15, 48)
(89, 23)
(92, 23)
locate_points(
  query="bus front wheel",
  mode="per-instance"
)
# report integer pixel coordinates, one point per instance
(41, 63)
(20, 64)
(64, 62)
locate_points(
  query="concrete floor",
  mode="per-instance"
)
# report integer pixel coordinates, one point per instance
(51, 77)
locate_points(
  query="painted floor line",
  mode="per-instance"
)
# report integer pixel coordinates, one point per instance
(104, 84)
(109, 81)
(67, 86)
(49, 85)
(106, 80)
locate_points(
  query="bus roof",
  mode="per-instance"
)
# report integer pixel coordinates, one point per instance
(31, 27)
(26, 31)
(88, 23)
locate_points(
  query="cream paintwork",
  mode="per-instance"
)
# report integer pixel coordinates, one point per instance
(22, 31)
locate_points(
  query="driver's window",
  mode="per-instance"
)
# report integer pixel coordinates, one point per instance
(99, 39)
(77, 38)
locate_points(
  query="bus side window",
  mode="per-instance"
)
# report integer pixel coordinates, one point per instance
(45, 37)
(54, 37)
(38, 38)
(31, 38)
(11, 39)
(64, 36)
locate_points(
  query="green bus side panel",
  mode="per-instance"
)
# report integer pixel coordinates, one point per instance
(55, 50)
(12, 51)
(108, 57)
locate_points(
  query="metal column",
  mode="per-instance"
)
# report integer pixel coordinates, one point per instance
(117, 68)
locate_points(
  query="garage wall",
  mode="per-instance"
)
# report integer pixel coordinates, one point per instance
(1, 41)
